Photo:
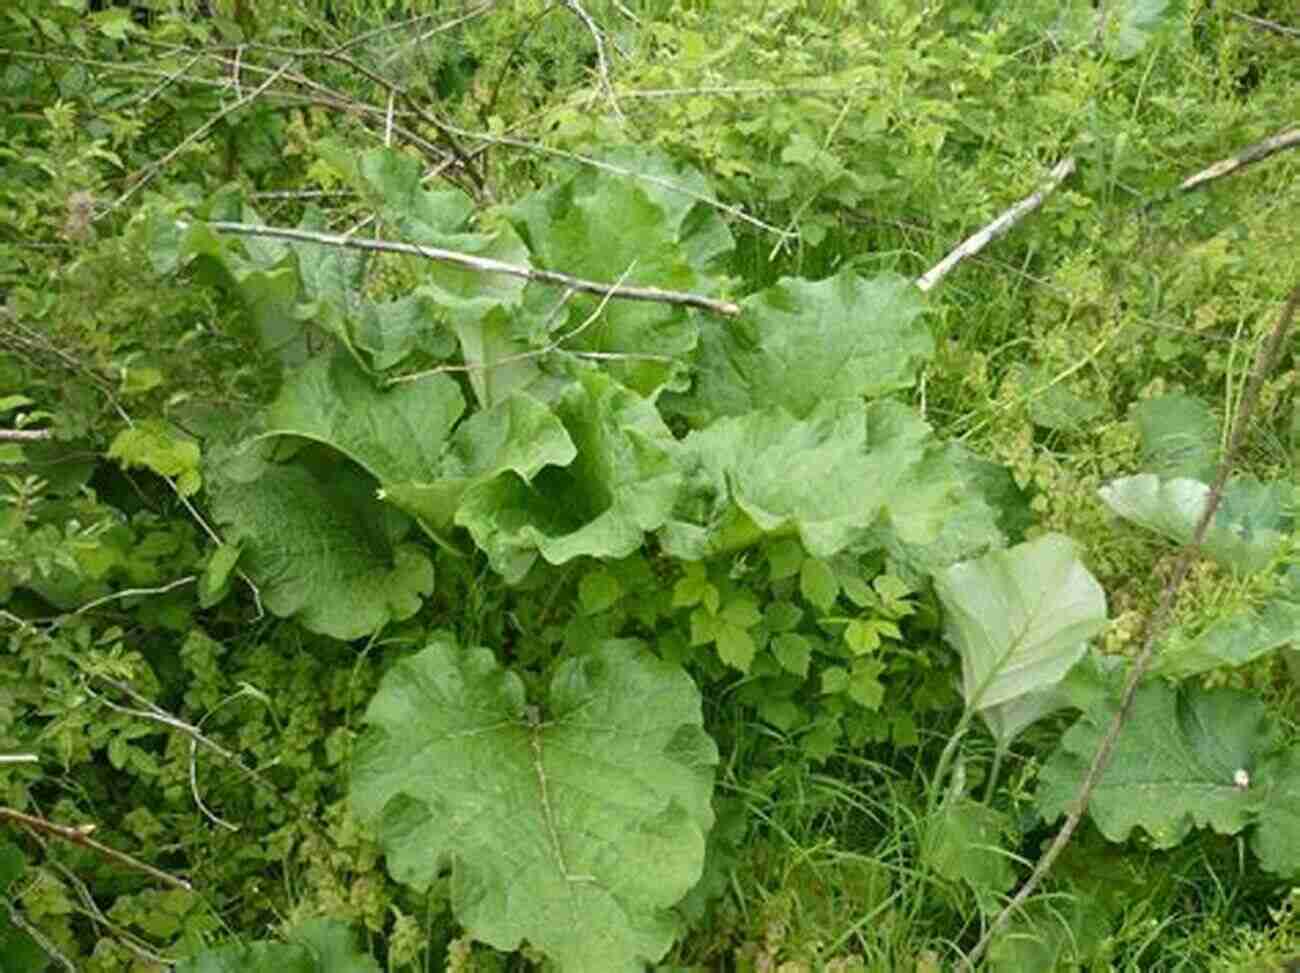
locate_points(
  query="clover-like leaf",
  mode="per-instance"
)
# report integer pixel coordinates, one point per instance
(622, 484)
(321, 548)
(1019, 618)
(575, 825)
(801, 342)
(1248, 527)
(1186, 757)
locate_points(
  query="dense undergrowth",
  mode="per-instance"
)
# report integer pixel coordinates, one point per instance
(393, 613)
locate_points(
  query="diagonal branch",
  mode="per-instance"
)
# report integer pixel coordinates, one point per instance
(81, 836)
(1156, 624)
(1260, 150)
(975, 243)
(483, 265)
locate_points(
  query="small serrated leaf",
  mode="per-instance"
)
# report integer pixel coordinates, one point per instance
(598, 590)
(818, 584)
(793, 651)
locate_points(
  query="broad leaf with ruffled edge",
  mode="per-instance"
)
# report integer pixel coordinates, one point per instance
(1248, 527)
(827, 479)
(320, 547)
(801, 342)
(316, 946)
(601, 225)
(576, 825)
(621, 485)
(403, 435)
(1019, 619)
(1187, 757)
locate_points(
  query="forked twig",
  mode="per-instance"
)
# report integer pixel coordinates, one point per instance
(483, 265)
(602, 62)
(81, 836)
(1156, 624)
(978, 241)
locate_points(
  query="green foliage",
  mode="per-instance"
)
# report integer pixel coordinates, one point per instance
(261, 449)
(1187, 758)
(1020, 619)
(318, 946)
(576, 831)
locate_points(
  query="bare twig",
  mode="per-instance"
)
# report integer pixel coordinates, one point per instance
(556, 345)
(978, 241)
(40, 939)
(1260, 150)
(132, 592)
(148, 174)
(602, 63)
(483, 265)
(1156, 624)
(24, 435)
(1270, 25)
(81, 836)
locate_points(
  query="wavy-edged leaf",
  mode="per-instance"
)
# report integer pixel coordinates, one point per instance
(395, 435)
(1019, 618)
(316, 946)
(621, 485)
(321, 548)
(801, 342)
(518, 435)
(577, 831)
(1248, 527)
(1186, 758)
(1179, 436)
(601, 225)
(827, 479)
(1232, 642)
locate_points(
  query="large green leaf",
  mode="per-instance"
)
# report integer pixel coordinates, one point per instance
(575, 825)
(395, 435)
(965, 841)
(621, 485)
(1233, 641)
(827, 479)
(518, 435)
(1179, 435)
(403, 436)
(801, 342)
(601, 226)
(1248, 527)
(1187, 757)
(321, 548)
(316, 946)
(1020, 619)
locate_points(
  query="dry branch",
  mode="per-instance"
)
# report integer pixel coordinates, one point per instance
(482, 265)
(978, 241)
(81, 836)
(1156, 624)
(1269, 25)
(1260, 150)
(24, 435)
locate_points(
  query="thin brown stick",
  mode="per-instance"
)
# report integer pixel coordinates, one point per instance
(602, 63)
(978, 241)
(1260, 150)
(1156, 624)
(483, 265)
(81, 836)
(24, 435)
(146, 176)
(1269, 25)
